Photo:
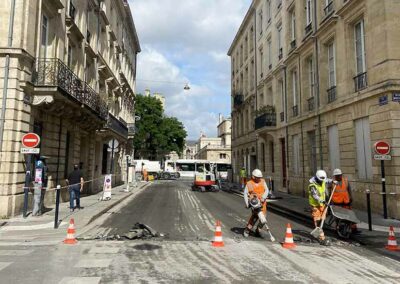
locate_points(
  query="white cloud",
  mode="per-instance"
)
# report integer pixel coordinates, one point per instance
(187, 41)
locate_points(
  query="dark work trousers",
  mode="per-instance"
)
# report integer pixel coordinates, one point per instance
(74, 193)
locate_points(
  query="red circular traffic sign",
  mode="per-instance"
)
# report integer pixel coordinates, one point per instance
(382, 148)
(30, 140)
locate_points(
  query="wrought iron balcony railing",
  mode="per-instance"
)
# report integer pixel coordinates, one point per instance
(331, 94)
(238, 100)
(360, 81)
(53, 72)
(266, 119)
(311, 103)
(295, 110)
(118, 126)
(282, 114)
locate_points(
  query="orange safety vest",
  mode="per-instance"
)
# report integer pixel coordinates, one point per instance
(256, 188)
(341, 194)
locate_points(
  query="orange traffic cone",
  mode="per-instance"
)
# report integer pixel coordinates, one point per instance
(70, 240)
(392, 243)
(289, 243)
(218, 242)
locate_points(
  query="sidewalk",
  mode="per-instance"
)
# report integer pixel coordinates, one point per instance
(40, 230)
(298, 207)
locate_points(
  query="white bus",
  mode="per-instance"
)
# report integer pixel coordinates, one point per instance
(221, 170)
(187, 168)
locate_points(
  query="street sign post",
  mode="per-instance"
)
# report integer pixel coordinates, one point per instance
(382, 150)
(29, 142)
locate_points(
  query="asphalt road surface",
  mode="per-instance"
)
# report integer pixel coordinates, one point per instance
(185, 254)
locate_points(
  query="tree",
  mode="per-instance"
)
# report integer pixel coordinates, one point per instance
(157, 135)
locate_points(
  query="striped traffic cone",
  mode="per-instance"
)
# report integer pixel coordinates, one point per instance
(218, 242)
(392, 243)
(289, 243)
(70, 240)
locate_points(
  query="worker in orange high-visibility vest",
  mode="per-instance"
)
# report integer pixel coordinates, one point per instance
(255, 186)
(342, 195)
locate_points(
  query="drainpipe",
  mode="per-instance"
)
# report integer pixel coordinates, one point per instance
(302, 135)
(317, 94)
(6, 75)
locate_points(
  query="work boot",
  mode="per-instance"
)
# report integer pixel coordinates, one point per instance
(246, 233)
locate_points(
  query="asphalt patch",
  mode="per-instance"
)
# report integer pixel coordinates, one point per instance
(147, 247)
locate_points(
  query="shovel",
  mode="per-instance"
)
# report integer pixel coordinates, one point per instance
(318, 230)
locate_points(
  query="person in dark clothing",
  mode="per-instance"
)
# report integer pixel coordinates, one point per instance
(75, 182)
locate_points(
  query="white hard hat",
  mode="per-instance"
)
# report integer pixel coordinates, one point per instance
(337, 172)
(320, 175)
(257, 173)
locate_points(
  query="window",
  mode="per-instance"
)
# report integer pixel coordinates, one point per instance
(331, 66)
(334, 150)
(360, 47)
(281, 87)
(296, 154)
(280, 41)
(260, 21)
(311, 76)
(269, 53)
(69, 59)
(308, 12)
(293, 26)
(269, 11)
(261, 61)
(44, 37)
(222, 156)
(363, 145)
(294, 87)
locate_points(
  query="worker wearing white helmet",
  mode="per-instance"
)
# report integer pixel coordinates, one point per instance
(317, 193)
(255, 187)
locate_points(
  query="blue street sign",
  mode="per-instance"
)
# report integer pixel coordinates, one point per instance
(396, 97)
(383, 100)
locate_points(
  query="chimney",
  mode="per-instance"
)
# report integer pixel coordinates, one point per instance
(147, 93)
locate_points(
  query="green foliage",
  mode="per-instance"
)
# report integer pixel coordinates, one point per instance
(156, 135)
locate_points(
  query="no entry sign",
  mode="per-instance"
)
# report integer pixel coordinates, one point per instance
(30, 140)
(382, 148)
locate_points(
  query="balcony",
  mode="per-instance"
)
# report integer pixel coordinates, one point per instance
(329, 8)
(311, 103)
(238, 100)
(266, 119)
(280, 55)
(54, 73)
(331, 94)
(360, 81)
(295, 110)
(282, 114)
(118, 126)
(308, 28)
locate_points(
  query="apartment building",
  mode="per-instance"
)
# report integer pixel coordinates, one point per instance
(67, 73)
(327, 88)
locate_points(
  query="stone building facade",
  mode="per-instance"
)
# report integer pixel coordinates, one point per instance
(69, 76)
(327, 88)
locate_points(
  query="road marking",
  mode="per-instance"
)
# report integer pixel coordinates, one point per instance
(30, 227)
(80, 280)
(93, 263)
(4, 265)
(15, 252)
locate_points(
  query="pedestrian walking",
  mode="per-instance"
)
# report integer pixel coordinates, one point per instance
(243, 176)
(75, 182)
(256, 187)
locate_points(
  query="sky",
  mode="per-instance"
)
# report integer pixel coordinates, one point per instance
(186, 41)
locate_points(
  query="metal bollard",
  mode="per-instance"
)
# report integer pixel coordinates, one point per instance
(58, 189)
(368, 193)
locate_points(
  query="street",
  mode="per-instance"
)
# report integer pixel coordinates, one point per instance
(184, 254)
